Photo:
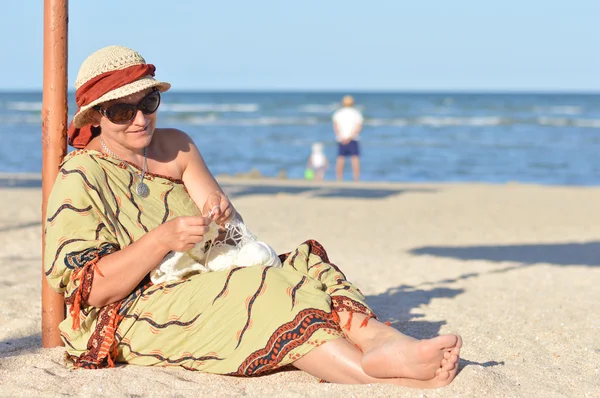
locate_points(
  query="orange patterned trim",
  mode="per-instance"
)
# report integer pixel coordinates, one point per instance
(86, 276)
(102, 344)
(342, 303)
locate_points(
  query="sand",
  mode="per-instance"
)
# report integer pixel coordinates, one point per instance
(513, 268)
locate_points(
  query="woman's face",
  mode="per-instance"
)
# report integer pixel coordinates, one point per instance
(136, 134)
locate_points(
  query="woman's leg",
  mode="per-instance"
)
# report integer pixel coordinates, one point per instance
(339, 361)
(389, 353)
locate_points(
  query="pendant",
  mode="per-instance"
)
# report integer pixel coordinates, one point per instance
(142, 190)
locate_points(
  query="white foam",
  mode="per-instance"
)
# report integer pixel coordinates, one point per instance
(439, 121)
(563, 121)
(387, 122)
(553, 121)
(318, 108)
(593, 123)
(200, 107)
(460, 121)
(260, 121)
(20, 119)
(559, 109)
(24, 106)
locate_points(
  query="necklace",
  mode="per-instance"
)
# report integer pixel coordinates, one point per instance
(141, 189)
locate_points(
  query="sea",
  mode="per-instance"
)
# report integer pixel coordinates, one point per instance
(551, 139)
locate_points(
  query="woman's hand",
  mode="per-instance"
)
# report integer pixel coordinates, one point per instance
(218, 208)
(182, 233)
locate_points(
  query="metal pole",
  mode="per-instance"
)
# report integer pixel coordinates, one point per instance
(54, 144)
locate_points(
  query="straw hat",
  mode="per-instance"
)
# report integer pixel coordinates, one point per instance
(110, 59)
(348, 100)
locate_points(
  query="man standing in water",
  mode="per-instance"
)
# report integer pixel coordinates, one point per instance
(347, 124)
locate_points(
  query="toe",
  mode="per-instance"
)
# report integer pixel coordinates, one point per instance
(443, 375)
(447, 366)
(458, 345)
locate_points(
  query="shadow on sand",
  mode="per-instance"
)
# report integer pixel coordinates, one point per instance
(19, 182)
(19, 346)
(280, 187)
(564, 254)
(406, 297)
(396, 305)
(21, 226)
(320, 191)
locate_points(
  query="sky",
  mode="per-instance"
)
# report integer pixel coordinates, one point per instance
(325, 45)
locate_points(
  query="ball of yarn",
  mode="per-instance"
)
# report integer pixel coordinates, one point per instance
(257, 253)
(222, 257)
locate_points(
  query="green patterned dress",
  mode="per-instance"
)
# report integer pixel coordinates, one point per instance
(243, 321)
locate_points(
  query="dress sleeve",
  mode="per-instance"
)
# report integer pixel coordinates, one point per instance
(78, 230)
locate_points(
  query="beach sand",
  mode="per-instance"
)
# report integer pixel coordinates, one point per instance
(513, 268)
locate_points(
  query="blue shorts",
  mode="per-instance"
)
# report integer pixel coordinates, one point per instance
(350, 149)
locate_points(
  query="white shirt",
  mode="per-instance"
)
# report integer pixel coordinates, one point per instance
(347, 119)
(318, 160)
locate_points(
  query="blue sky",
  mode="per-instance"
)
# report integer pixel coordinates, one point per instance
(387, 45)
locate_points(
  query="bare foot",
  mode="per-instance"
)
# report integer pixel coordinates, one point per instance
(442, 378)
(432, 361)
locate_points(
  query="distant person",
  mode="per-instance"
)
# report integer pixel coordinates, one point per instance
(347, 124)
(317, 162)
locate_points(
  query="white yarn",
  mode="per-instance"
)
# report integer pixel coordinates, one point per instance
(257, 253)
(175, 266)
(239, 248)
(221, 257)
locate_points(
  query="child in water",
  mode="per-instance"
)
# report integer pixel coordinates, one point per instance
(317, 163)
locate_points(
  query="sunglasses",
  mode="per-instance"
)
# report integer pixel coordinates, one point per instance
(125, 113)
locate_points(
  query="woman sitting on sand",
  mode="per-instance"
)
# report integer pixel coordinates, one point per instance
(131, 194)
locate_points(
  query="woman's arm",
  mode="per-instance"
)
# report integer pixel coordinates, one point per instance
(200, 183)
(122, 271)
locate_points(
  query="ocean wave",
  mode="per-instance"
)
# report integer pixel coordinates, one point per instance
(386, 122)
(20, 119)
(260, 121)
(25, 106)
(559, 109)
(318, 108)
(563, 122)
(200, 107)
(428, 121)
(440, 121)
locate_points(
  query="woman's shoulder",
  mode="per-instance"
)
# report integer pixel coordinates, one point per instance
(171, 139)
(78, 166)
(172, 142)
(173, 148)
(87, 164)
(171, 133)
(81, 158)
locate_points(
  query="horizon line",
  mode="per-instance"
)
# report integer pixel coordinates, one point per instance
(350, 91)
